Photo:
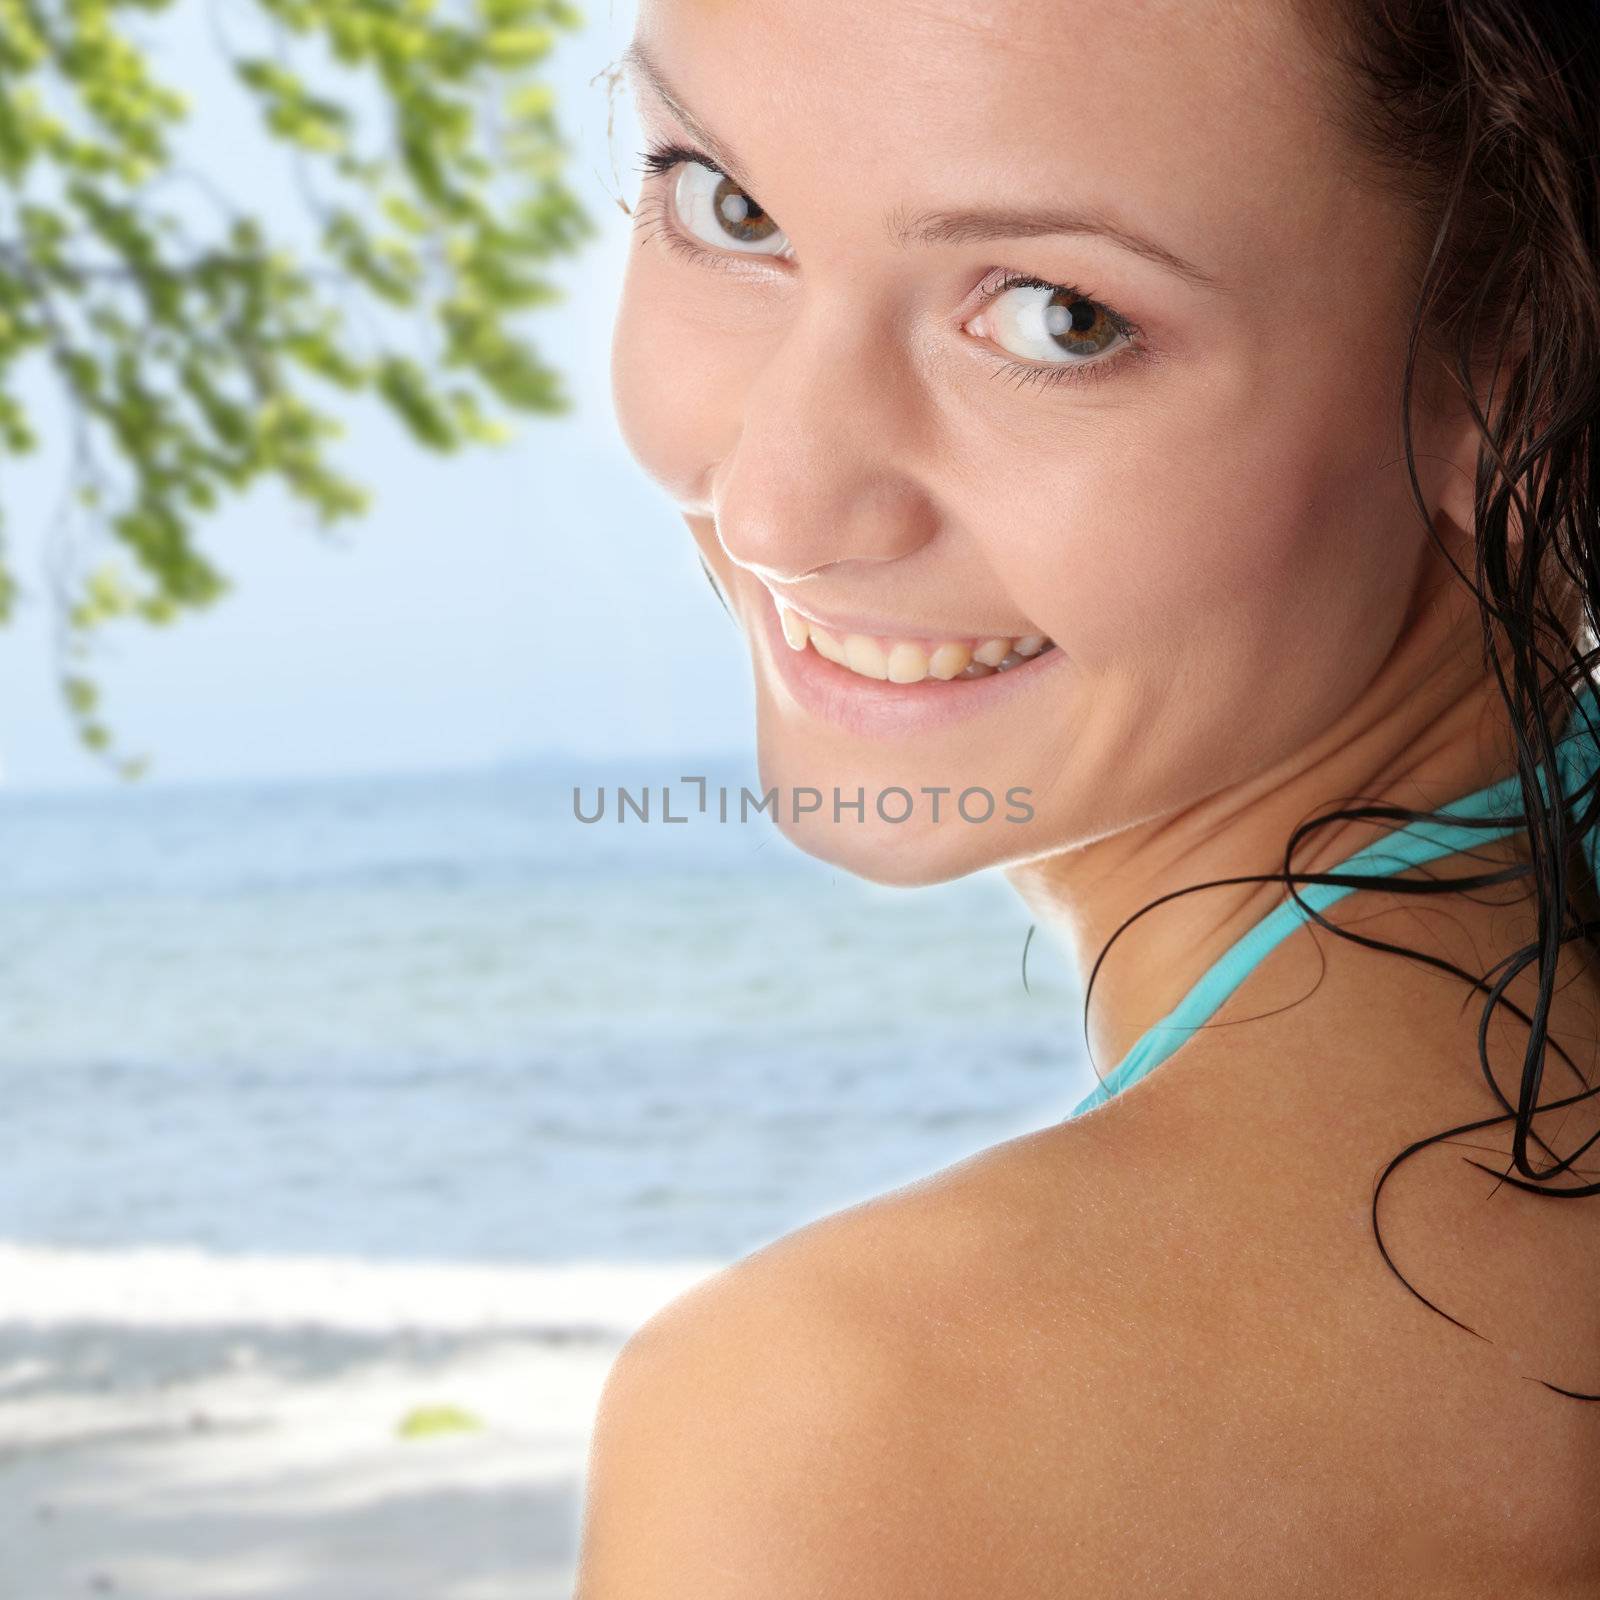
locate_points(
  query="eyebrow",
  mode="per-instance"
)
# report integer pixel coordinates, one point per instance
(965, 226)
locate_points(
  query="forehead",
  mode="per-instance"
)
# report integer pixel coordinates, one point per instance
(1204, 121)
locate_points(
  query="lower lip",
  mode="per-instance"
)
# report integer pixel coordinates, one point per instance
(873, 708)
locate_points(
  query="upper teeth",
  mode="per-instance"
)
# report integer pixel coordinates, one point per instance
(911, 660)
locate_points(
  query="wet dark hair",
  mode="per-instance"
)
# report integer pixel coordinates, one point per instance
(1484, 117)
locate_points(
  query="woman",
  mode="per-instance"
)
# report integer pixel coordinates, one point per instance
(1181, 412)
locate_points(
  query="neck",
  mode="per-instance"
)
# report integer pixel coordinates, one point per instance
(1418, 739)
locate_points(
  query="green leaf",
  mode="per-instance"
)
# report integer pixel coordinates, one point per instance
(424, 1421)
(194, 347)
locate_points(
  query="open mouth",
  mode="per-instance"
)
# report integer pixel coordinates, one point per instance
(902, 688)
(912, 659)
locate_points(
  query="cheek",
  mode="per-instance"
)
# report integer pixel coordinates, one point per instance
(671, 402)
(1218, 551)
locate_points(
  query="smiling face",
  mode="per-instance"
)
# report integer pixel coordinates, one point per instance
(1075, 324)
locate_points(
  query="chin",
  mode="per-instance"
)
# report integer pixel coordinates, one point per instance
(887, 854)
(914, 853)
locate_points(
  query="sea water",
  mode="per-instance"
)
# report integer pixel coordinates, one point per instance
(436, 1018)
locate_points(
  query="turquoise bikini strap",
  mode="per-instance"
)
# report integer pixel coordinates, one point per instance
(1577, 759)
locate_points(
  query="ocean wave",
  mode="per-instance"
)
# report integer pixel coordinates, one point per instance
(173, 1286)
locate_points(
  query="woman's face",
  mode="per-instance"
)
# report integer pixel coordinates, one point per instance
(1172, 449)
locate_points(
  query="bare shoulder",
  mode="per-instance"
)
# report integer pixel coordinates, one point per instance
(874, 1405)
(1068, 1361)
(782, 1430)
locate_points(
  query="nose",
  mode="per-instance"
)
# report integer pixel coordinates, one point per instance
(822, 468)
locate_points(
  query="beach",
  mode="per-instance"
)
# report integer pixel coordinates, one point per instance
(332, 1104)
(175, 1426)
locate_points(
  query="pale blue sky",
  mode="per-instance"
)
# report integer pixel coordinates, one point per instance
(493, 606)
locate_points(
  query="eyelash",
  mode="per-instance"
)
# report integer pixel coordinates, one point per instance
(659, 159)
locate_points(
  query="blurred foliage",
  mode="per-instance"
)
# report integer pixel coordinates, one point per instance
(421, 1421)
(189, 344)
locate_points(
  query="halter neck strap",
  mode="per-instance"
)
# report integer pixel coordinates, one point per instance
(1577, 750)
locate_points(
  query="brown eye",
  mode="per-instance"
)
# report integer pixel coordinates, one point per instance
(1079, 326)
(1050, 323)
(716, 211)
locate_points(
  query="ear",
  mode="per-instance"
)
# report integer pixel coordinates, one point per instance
(1458, 463)
(1459, 444)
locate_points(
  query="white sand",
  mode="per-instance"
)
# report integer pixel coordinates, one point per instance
(175, 1426)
